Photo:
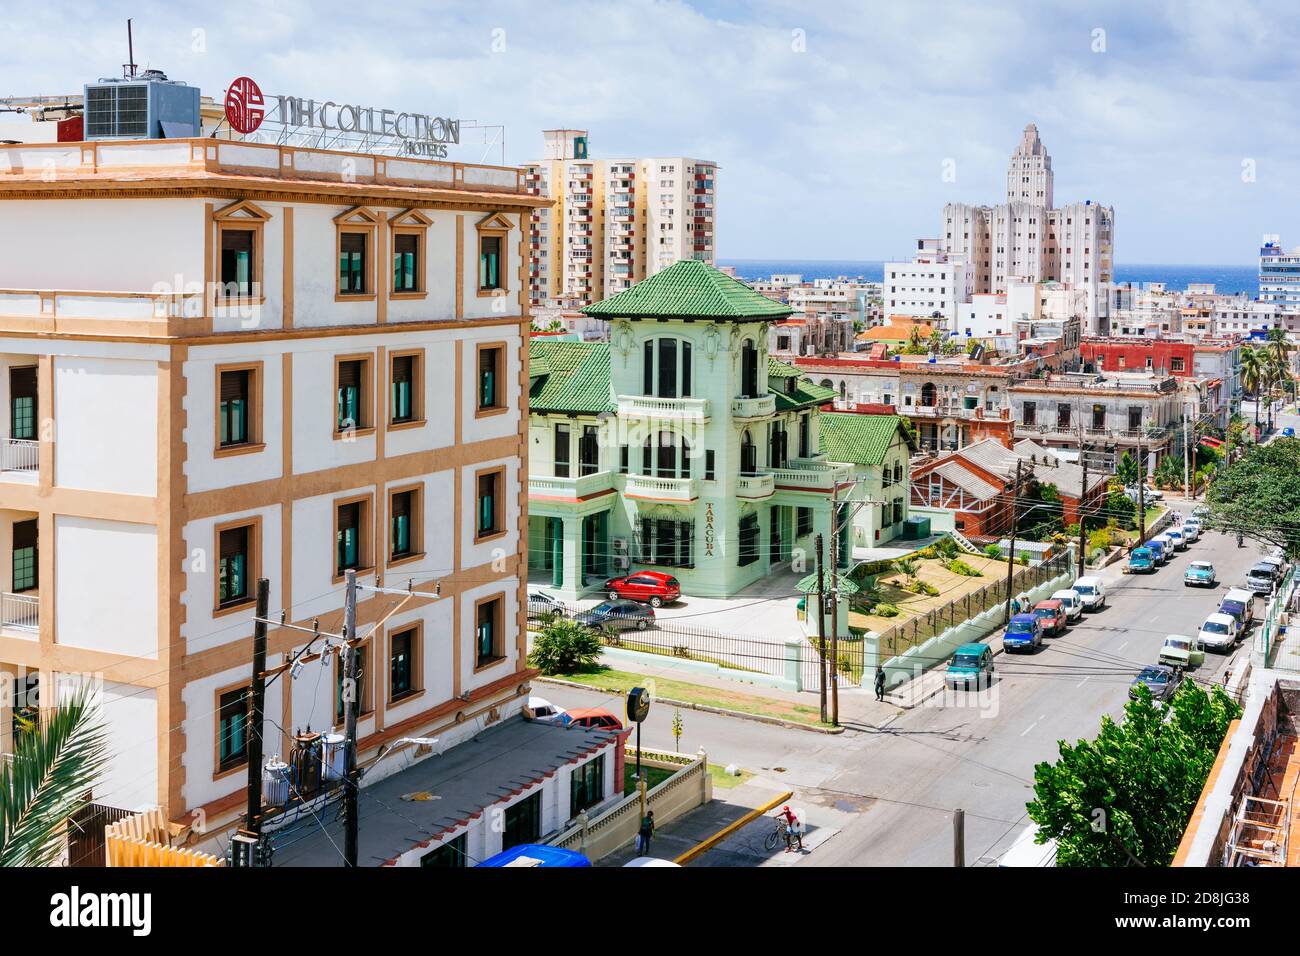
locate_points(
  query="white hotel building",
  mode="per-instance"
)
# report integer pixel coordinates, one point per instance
(225, 361)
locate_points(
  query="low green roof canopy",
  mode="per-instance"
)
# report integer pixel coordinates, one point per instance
(689, 289)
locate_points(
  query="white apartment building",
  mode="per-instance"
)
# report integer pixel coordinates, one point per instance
(225, 361)
(614, 222)
(1279, 276)
(933, 284)
(1028, 237)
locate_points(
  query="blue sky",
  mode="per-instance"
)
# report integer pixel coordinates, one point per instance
(832, 125)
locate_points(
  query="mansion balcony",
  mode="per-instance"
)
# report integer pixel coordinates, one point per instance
(673, 490)
(553, 488)
(968, 409)
(1154, 436)
(671, 409)
(809, 475)
(753, 487)
(753, 409)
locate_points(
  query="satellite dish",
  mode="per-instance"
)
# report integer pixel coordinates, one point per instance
(638, 704)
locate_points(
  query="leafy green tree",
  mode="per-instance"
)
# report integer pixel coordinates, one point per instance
(53, 767)
(1252, 374)
(565, 647)
(1259, 496)
(1124, 799)
(1128, 470)
(909, 568)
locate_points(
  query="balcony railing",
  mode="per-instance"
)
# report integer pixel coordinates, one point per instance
(20, 611)
(19, 455)
(661, 489)
(755, 486)
(650, 406)
(751, 408)
(551, 486)
(803, 476)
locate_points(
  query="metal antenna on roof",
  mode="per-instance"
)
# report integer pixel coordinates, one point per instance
(128, 68)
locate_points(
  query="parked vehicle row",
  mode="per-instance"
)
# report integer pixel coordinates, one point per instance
(542, 711)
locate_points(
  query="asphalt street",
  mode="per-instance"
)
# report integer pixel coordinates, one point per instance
(889, 790)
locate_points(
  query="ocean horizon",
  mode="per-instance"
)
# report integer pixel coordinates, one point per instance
(1227, 279)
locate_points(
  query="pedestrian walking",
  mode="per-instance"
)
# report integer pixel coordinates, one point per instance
(645, 834)
(880, 683)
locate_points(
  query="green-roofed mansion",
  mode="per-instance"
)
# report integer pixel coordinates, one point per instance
(678, 445)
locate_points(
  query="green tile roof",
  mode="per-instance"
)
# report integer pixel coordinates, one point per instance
(688, 289)
(805, 392)
(857, 439)
(574, 377)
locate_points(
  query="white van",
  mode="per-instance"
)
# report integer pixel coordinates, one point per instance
(1245, 597)
(1025, 852)
(1072, 602)
(1091, 591)
(1218, 632)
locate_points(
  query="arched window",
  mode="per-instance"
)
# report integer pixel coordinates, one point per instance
(928, 395)
(844, 390)
(666, 367)
(748, 370)
(827, 383)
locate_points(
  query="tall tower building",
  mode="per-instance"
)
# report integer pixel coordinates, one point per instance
(1029, 174)
(614, 222)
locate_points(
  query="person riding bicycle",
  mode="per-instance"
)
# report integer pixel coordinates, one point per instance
(793, 829)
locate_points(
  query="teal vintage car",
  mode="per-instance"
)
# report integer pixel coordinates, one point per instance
(1141, 561)
(1199, 574)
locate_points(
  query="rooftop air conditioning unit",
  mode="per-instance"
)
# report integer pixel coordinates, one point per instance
(148, 106)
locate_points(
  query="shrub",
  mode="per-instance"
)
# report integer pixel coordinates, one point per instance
(947, 547)
(886, 610)
(993, 551)
(958, 566)
(1022, 560)
(924, 587)
(565, 647)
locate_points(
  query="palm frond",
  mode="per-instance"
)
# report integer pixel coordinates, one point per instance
(53, 768)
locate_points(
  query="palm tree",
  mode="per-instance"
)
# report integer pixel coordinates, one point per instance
(53, 768)
(1252, 375)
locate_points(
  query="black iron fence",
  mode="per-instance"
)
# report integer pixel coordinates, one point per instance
(86, 833)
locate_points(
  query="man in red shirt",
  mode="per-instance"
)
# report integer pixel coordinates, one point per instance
(793, 829)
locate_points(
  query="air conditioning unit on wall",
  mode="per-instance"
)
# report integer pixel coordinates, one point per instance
(620, 562)
(620, 544)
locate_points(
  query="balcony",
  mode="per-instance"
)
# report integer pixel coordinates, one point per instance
(752, 487)
(569, 489)
(672, 409)
(18, 460)
(751, 409)
(809, 475)
(648, 488)
(20, 612)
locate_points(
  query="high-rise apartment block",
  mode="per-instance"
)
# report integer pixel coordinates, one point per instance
(1027, 237)
(615, 221)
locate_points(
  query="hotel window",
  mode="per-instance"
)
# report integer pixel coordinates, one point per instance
(404, 524)
(350, 519)
(236, 407)
(405, 398)
(588, 451)
(352, 377)
(235, 560)
(587, 785)
(237, 262)
(361, 695)
(523, 821)
(24, 556)
(449, 854)
(490, 361)
(488, 508)
(488, 644)
(562, 451)
(406, 263)
(352, 263)
(402, 648)
(490, 265)
(709, 465)
(232, 729)
(22, 403)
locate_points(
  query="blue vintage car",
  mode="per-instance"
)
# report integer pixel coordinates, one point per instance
(1024, 633)
(1199, 574)
(1141, 561)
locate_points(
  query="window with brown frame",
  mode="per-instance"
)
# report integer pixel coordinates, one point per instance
(352, 263)
(491, 265)
(352, 378)
(232, 729)
(350, 536)
(406, 262)
(362, 700)
(488, 509)
(238, 263)
(236, 565)
(488, 639)
(238, 411)
(405, 388)
(403, 663)
(491, 359)
(404, 524)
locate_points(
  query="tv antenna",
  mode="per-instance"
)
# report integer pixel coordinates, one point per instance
(128, 69)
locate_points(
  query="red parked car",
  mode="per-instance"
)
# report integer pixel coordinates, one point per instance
(590, 717)
(650, 587)
(1051, 616)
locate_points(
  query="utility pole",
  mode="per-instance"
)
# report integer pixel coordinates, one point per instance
(1011, 557)
(959, 837)
(821, 628)
(350, 704)
(1083, 500)
(1187, 485)
(253, 818)
(835, 606)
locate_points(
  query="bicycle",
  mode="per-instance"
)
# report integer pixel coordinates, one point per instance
(781, 833)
